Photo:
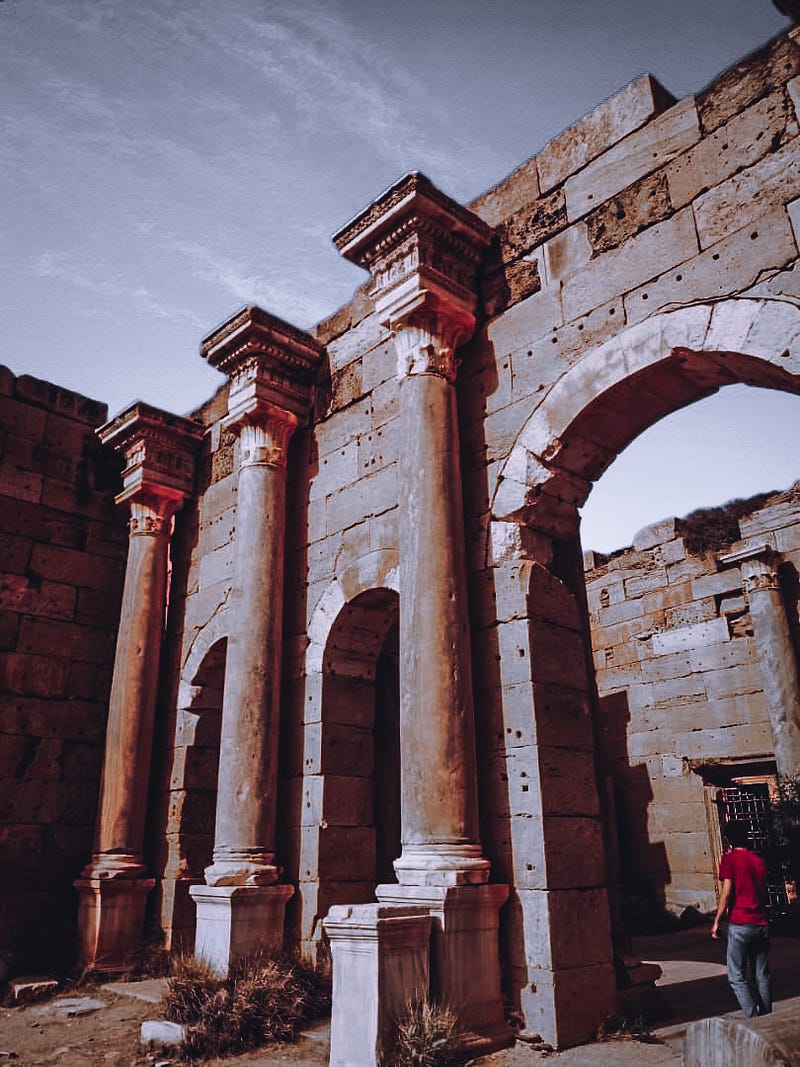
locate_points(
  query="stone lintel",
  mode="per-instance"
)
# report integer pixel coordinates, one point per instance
(421, 247)
(159, 450)
(270, 364)
(751, 551)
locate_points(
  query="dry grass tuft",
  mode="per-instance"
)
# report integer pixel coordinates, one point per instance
(430, 1035)
(263, 1001)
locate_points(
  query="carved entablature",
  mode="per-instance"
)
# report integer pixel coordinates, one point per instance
(159, 450)
(270, 364)
(423, 251)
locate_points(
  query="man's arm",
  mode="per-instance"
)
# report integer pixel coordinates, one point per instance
(724, 900)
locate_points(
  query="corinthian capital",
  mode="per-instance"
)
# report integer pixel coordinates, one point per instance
(425, 343)
(423, 250)
(159, 454)
(264, 437)
(151, 515)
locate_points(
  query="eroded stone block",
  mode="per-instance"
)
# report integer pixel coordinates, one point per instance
(632, 158)
(608, 123)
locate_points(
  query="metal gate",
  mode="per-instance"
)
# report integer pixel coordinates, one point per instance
(750, 804)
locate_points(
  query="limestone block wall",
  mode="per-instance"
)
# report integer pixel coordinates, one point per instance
(641, 260)
(679, 682)
(62, 553)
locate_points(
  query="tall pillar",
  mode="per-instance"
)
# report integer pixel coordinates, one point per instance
(270, 364)
(159, 472)
(423, 250)
(776, 656)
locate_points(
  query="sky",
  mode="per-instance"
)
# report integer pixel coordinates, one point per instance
(165, 163)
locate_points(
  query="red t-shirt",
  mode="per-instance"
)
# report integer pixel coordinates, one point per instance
(748, 872)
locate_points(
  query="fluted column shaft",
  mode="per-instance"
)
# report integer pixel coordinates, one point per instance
(440, 835)
(129, 737)
(244, 840)
(776, 657)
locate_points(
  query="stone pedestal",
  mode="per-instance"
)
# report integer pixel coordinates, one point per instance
(110, 917)
(237, 921)
(158, 475)
(465, 964)
(380, 965)
(776, 656)
(270, 365)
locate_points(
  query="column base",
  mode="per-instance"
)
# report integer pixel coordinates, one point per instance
(380, 962)
(465, 956)
(233, 867)
(442, 865)
(110, 920)
(237, 921)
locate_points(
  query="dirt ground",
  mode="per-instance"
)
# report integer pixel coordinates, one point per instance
(105, 1033)
(99, 1026)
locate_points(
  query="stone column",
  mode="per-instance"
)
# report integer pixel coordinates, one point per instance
(270, 364)
(776, 655)
(158, 474)
(423, 250)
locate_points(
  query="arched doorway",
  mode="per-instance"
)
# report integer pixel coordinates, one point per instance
(684, 727)
(560, 942)
(359, 826)
(193, 794)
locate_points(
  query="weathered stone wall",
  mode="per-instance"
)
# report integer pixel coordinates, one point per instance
(62, 551)
(680, 688)
(642, 260)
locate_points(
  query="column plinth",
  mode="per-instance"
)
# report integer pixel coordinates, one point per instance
(158, 450)
(234, 921)
(380, 964)
(270, 365)
(776, 655)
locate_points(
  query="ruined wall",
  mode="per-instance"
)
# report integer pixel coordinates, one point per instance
(642, 260)
(62, 551)
(678, 675)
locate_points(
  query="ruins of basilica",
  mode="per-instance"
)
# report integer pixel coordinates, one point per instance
(325, 660)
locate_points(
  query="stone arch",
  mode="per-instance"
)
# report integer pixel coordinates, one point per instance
(351, 741)
(193, 778)
(374, 570)
(582, 422)
(620, 388)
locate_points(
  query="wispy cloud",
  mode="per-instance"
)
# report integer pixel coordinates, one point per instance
(278, 289)
(61, 266)
(333, 73)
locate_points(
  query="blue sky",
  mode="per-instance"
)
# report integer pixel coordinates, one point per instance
(165, 163)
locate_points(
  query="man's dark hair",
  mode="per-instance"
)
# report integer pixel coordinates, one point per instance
(737, 833)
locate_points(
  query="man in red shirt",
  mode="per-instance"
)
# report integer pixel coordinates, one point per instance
(744, 889)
